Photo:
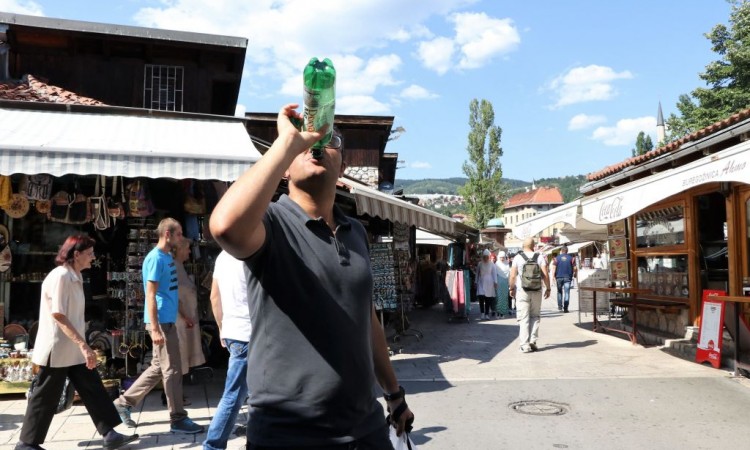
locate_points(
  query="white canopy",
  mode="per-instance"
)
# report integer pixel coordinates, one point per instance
(377, 204)
(119, 144)
(732, 164)
(574, 226)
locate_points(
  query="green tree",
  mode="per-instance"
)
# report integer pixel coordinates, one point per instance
(484, 191)
(643, 144)
(727, 79)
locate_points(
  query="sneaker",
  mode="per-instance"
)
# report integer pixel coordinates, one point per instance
(186, 426)
(482, 317)
(525, 350)
(533, 346)
(25, 446)
(124, 412)
(114, 440)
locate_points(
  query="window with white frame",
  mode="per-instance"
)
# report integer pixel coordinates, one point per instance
(163, 87)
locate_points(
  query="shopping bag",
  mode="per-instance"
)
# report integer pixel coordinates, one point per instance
(402, 442)
(66, 397)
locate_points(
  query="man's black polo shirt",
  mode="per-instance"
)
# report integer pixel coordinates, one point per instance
(310, 368)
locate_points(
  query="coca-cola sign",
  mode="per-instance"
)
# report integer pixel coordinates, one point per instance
(611, 209)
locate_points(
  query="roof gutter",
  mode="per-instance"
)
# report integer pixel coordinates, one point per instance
(686, 149)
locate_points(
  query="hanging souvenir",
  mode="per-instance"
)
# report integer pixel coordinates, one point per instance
(18, 206)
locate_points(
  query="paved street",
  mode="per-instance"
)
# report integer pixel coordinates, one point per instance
(461, 378)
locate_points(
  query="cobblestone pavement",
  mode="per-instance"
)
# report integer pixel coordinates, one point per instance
(461, 377)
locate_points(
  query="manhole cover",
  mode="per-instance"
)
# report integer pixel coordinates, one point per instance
(539, 408)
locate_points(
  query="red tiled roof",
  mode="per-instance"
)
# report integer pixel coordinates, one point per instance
(545, 195)
(672, 146)
(30, 89)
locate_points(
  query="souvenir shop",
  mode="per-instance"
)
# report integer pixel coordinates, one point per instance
(147, 167)
(121, 214)
(397, 249)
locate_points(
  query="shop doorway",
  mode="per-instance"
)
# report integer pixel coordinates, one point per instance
(713, 258)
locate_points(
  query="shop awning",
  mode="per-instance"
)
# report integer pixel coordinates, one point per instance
(732, 164)
(574, 227)
(117, 144)
(374, 203)
(575, 248)
(427, 238)
(567, 213)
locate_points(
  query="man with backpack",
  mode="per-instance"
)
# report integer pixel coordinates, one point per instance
(528, 277)
(563, 271)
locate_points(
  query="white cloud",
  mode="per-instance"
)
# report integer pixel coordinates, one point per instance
(407, 34)
(583, 121)
(29, 7)
(420, 165)
(239, 110)
(481, 38)
(585, 84)
(416, 92)
(625, 132)
(361, 39)
(360, 104)
(478, 39)
(437, 54)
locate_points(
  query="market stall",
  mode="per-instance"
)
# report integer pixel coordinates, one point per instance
(111, 173)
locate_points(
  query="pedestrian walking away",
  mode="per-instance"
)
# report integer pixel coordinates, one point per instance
(528, 277)
(563, 270)
(317, 346)
(160, 315)
(60, 351)
(231, 311)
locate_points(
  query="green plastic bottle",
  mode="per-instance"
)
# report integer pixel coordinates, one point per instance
(319, 100)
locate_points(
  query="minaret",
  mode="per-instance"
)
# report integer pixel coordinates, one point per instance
(660, 130)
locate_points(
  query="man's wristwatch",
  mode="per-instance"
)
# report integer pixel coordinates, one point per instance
(395, 395)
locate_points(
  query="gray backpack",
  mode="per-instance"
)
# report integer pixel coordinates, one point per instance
(531, 273)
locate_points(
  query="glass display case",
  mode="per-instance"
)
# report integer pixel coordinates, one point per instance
(665, 276)
(660, 227)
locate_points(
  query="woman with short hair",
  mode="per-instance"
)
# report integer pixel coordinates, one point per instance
(60, 351)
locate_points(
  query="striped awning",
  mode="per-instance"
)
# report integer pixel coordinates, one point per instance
(129, 145)
(374, 203)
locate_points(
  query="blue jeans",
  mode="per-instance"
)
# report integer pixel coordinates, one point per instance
(563, 293)
(235, 392)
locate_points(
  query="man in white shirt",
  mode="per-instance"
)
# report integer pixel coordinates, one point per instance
(230, 307)
(528, 300)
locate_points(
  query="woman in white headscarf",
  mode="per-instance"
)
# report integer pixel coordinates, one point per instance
(503, 272)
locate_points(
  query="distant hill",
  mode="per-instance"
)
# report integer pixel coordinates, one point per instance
(446, 186)
(568, 185)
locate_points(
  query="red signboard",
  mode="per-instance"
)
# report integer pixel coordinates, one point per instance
(712, 328)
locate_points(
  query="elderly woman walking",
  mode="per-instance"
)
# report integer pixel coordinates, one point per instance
(61, 351)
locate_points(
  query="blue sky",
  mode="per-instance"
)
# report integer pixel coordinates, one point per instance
(572, 82)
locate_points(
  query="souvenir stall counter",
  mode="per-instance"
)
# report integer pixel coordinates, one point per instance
(121, 215)
(393, 268)
(458, 282)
